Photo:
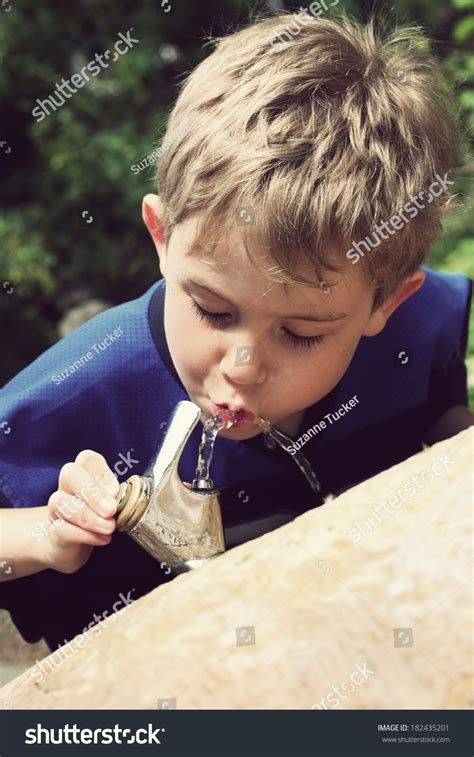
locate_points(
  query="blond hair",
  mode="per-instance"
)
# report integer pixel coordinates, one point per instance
(315, 137)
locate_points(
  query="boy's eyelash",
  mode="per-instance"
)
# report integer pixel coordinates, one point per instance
(303, 341)
(206, 315)
(218, 318)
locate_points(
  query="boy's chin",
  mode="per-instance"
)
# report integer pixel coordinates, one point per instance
(242, 432)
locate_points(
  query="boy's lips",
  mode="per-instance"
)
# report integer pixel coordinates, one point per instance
(240, 416)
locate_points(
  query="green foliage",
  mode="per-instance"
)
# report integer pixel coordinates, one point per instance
(78, 159)
(464, 4)
(23, 250)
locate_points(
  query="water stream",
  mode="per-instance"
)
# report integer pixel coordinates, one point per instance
(211, 428)
(226, 419)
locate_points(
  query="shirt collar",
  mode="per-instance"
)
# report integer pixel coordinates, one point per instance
(157, 326)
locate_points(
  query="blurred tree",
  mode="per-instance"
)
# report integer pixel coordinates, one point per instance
(71, 206)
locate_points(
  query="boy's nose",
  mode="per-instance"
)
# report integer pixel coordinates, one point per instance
(243, 364)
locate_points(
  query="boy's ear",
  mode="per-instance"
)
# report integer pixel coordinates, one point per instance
(379, 317)
(153, 217)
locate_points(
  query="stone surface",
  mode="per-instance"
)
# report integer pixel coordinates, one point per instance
(81, 313)
(308, 616)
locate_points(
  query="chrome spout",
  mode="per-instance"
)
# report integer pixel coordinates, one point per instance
(178, 526)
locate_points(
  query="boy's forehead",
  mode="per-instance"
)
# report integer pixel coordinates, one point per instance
(221, 244)
(230, 256)
(226, 258)
(237, 247)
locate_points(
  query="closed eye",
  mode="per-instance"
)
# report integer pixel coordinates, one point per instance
(218, 319)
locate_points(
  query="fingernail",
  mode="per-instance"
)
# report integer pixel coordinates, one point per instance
(107, 506)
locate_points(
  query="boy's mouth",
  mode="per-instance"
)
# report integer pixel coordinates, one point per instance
(238, 416)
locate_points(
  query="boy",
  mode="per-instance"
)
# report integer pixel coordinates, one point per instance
(296, 208)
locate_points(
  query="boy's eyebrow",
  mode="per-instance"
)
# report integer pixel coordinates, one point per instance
(319, 319)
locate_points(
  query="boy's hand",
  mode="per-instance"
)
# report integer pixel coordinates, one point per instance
(81, 511)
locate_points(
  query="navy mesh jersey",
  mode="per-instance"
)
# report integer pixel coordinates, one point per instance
(111, 385)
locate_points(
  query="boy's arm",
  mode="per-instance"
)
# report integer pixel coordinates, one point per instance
(453, 421)
(21, 555)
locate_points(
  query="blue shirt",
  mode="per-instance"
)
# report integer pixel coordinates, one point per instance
(111, 385)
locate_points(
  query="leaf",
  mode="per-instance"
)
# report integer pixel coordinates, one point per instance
(464, 29)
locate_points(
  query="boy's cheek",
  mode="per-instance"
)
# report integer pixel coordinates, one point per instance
(191, 354)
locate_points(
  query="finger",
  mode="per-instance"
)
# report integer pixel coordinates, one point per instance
(74, 510)
(96, 465)
(74, 479)
(188, 486)
(67, 534)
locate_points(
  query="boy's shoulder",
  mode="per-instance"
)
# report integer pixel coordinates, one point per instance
(99, 348)
(426, 328)
(104, 387)
(452, 290)
(393, 373)
(436, 317)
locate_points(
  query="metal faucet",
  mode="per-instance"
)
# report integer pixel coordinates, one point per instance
(180, 527)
